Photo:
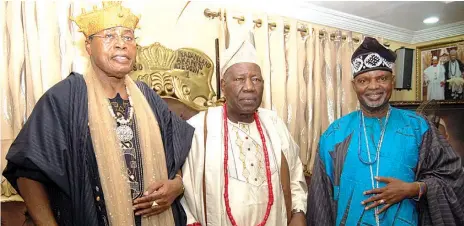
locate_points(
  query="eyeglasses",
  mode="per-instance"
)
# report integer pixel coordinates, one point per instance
(112, 37)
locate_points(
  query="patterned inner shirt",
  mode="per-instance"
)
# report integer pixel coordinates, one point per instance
(130, 149)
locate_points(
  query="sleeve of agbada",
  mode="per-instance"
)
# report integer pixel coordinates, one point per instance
(322, 206)
(192, 201)
(298, 186)
(441, 170)
(41, 151)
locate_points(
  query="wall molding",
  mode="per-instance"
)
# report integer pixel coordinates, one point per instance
(319, 15)
(444, 31)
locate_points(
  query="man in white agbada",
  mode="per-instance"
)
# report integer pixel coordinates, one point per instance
(232, 187)
(434, 77)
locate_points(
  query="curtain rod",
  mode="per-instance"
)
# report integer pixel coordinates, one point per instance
(211, 14)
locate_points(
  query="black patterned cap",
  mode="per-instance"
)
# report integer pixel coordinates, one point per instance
(370, 56)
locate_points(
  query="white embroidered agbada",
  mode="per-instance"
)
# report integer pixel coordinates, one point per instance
(433, 77)
(248, 192)
(248, 189)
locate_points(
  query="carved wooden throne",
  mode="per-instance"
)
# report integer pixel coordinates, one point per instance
(181, 77)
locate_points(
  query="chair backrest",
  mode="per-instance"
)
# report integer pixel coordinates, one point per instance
(181, 77)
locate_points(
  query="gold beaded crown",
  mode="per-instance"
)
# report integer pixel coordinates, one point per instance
(113, 14)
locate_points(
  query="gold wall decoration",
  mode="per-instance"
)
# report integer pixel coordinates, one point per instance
(184, 74)
(424, 55)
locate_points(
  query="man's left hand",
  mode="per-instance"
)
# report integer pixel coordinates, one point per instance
(395, 191)
(162, 192)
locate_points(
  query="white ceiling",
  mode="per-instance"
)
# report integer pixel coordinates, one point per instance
(407, 15)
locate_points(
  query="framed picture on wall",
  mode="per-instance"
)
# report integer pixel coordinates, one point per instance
(440, 72)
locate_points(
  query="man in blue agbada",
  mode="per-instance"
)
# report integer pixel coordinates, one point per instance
(382, 165)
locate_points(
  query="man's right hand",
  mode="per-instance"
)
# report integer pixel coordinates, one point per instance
(163, 193)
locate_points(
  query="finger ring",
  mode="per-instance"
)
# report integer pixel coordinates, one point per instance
(154, 204)
(382, 201)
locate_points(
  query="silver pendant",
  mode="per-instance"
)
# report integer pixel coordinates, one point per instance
(124, 133)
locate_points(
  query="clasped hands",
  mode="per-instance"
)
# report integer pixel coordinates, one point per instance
(395, 191)
(163, 193)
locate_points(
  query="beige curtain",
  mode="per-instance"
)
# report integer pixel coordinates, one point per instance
(307, 76)
(12, 70)
(36, 52)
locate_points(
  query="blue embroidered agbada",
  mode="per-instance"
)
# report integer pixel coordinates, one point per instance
(411, 151)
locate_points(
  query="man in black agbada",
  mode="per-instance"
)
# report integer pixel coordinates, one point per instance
(453, 68)
(100, 149)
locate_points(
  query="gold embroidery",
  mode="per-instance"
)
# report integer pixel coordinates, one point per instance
(251, 154)
(242, 157)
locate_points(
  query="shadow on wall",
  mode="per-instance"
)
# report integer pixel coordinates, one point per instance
(454, 128)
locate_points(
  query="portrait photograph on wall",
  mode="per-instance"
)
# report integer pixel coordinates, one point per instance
(440, 72)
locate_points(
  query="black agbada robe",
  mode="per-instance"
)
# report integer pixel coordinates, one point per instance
(55, 148)
(448, 91)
